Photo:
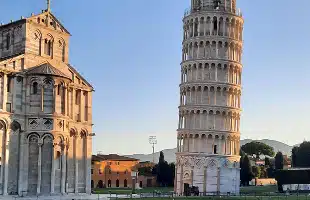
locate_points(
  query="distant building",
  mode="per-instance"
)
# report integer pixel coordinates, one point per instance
(112, 171)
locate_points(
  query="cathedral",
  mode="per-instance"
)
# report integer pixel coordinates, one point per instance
(45, 111)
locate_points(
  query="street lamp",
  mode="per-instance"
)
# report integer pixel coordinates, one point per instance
(153, 141)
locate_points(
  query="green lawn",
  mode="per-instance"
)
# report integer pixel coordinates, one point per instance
(236, 198)
(129, 190)
(259, 189)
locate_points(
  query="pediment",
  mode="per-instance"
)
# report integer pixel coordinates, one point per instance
(49, 20)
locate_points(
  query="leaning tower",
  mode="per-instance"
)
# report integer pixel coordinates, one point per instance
(210, 90)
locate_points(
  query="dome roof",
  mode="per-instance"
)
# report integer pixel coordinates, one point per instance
(46, 69)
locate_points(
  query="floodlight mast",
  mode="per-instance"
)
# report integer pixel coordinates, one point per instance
(153, 141)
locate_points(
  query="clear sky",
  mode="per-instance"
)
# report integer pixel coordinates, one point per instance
(130, 50)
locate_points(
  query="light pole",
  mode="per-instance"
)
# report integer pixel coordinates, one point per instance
(153, 141)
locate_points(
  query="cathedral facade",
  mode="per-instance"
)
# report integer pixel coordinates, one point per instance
(45, 111)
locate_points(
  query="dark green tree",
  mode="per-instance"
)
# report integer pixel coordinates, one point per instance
(267, 162)
(257, 149)
(246, 174)
(256, 171)
(294, 156)
(279, 161)
(165, 172)
(302, 158)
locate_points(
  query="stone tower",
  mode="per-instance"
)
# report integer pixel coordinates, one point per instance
(45, 111)
(210, 90)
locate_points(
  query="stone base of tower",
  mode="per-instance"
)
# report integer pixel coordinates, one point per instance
(212, 174)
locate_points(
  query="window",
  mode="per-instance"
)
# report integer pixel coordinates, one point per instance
(8, 107)
(48, 47)
(77, 97)
(8, 39)
(117, 173)
(125, 183)
(92, 171)
(215, 149)
(9, 84)
(35, 88)
(109, 183)
(58, 89)
(14, 64)
(126, 171)
(117, 183)
(100, 171)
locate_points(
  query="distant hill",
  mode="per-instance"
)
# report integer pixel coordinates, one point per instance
(170, 153)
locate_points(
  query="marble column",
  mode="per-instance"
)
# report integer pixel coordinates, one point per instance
(39, 168)
(53, 171)
(65, 100)
(6, 162)
(76, 178)
(21, 166)
(64, 169)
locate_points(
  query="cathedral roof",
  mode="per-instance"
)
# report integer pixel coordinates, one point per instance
(113, 157)
(46, 69)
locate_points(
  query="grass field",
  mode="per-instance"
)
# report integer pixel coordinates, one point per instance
(259, 189)
(129, 191)
(237, 198)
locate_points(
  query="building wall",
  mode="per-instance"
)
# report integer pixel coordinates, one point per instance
(113, 171)
(49, 148)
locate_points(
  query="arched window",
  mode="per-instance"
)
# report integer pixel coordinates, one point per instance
(125, 183)
(48, 47)
(35, 88)
(117, 183)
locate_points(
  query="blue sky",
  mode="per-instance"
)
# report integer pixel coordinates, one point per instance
(130, 50)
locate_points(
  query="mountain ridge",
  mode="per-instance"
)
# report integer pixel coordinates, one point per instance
(170, 153)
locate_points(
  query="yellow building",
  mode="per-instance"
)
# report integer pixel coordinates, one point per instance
(112, 171)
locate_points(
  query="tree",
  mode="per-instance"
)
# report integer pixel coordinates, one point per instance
(301, 155)
(145, 171)
(279, 163)
(246, 174)
(257, 149)
(294, 156)
(165, 172)
(267, 162)
(256, 171)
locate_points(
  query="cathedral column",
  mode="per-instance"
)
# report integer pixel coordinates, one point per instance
(39, 167)
(54, 99)
(76, 178)
(53, 171)
(73, 103)
(5, 92)
(63, 168)
(88, 155)
(65, 100)
(6, 162)
(21, 163)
